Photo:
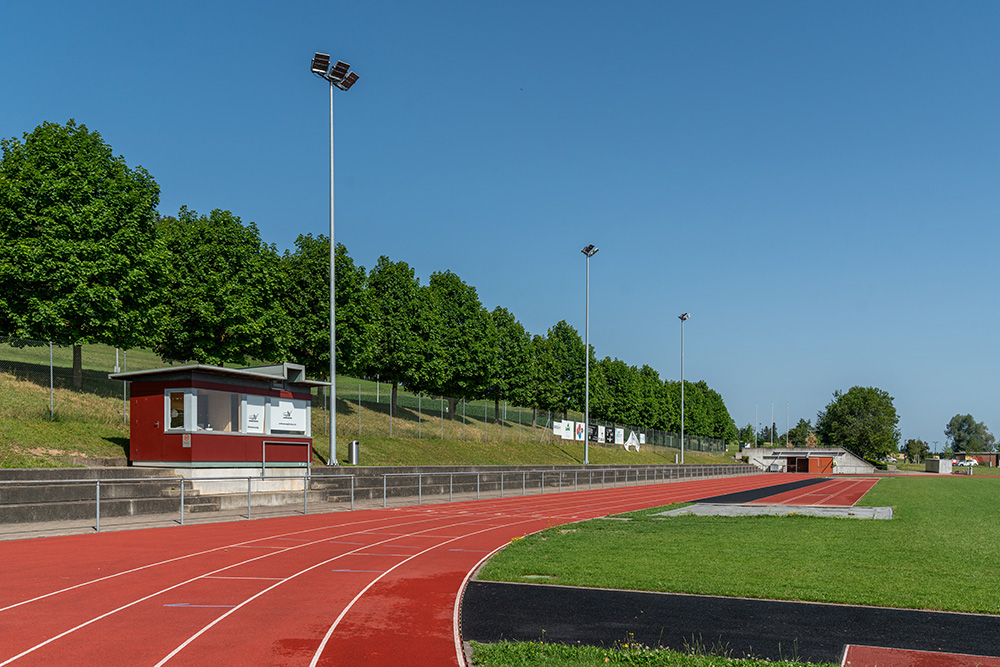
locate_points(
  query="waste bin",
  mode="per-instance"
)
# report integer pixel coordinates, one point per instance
(354, 453)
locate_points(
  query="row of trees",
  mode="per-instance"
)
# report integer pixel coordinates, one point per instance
(86, 258)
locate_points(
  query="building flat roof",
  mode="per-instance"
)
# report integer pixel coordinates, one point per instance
(288, 372)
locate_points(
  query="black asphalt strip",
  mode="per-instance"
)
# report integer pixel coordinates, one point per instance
(761, 493)
(737, 627)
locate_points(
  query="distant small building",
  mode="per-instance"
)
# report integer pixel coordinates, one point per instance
(988, 459)
(820, 460)
(201, 416)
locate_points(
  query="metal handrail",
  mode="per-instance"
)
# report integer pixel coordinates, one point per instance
(661, 473)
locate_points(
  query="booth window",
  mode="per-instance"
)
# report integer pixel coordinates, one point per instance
(218, 411)
(176, 409)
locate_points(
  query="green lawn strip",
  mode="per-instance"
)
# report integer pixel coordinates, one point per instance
(540, 654)
(933, 555)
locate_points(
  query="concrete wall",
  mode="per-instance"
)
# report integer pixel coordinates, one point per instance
(940, 466)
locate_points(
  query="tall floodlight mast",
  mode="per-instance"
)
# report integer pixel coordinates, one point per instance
(340, 76)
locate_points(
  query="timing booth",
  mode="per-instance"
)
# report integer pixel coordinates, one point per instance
(202, 416)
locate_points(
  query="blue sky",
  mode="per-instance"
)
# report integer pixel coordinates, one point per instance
(815, 182)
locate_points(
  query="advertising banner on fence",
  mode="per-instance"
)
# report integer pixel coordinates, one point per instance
(632, 441)
(578, 430)
(619, 436)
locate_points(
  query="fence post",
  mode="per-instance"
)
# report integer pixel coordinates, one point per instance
(383, 490)
(248, 497)
(419, 422)
(182, 501)
(52, 403)
(305, 494)
(98, 505)
(352, 492)
(442, 417)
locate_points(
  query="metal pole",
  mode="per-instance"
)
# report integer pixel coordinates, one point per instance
(182, 501)
(248, 497)
(586, 356)
(333, 310)
(442, 417)
(419, 423)
(682, 317)
(359, 411)
(98, 506)
(786, 422)
(125, 389)
(52, 404)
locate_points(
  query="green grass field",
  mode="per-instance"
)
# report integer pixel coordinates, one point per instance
(540, 654)
(936, 553)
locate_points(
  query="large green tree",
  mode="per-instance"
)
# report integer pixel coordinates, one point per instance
(965, 434)
(464, 341)
(862, 420)
(915, 450)
(79, 262)
(403, 331)
(513, 361)
(307, 301)
(561, 367)
(222, 299)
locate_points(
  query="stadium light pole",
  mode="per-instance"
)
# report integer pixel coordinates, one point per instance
(589, 251)
(682, 317)
(340, 76)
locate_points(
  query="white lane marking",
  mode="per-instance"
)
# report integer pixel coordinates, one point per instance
(170, 560)
(272, 587)
(456, 630)
(329, 633)
(169, 588)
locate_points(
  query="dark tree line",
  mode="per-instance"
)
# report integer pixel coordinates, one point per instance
(85, 258)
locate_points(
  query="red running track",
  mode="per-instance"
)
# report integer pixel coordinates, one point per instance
(376, 587)
(873, 656)
(833, 493)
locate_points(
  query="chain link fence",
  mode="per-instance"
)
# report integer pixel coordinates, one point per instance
(363, 409)
(38, 381)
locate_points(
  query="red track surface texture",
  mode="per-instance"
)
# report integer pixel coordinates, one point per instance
(834, 493)
(871, 656)
(378, 587)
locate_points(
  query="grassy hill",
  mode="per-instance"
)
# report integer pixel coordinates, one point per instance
(90, 423)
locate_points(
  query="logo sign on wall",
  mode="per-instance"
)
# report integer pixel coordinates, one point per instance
(619, 436)
(578, 430)
(609, 435)
(286, 416)
(592, 436)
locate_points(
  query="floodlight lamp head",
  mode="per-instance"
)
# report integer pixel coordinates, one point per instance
(590, 250)
(683, 316)
(347, 82)
(320, 64)
(338, 72)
